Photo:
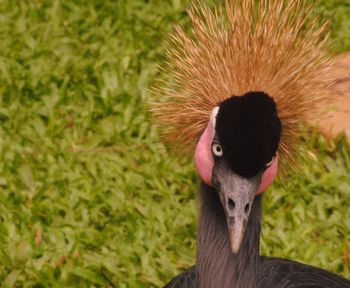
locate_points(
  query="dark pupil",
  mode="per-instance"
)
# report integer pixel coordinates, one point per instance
(218, 149)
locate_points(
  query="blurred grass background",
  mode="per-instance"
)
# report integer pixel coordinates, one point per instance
(89, 197)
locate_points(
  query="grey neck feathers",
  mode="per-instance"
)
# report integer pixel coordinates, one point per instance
(216, 265)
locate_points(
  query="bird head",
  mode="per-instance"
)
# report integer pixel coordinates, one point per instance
(218, 69)
(237, 155)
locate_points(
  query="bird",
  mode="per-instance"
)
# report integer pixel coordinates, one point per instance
(241, 84)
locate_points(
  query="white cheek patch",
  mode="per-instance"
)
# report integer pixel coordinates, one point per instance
(213, 115)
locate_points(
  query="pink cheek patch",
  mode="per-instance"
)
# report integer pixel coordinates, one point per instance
(203, 158)
(268, 176)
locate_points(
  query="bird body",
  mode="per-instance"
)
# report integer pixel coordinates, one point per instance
(246, 78)
(277, 273)
(248, 269)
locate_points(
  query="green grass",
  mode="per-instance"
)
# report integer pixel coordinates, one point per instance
(89, 197)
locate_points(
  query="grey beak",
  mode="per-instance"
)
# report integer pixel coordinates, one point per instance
(237, 195)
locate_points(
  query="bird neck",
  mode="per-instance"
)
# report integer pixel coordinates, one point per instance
(216, 265)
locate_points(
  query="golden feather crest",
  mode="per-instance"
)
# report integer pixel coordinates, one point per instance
(273, 46)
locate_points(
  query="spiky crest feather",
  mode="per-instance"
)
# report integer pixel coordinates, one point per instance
(273, 46)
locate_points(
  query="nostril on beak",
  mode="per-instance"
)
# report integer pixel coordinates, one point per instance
(246, 208)
(231, 204)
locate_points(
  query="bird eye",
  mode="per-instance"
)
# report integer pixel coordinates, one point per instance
(270, 163)
(217, 149)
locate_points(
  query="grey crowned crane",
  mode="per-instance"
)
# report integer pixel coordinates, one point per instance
(245, 79)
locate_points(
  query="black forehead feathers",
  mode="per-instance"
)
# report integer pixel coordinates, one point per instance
(249, 131)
